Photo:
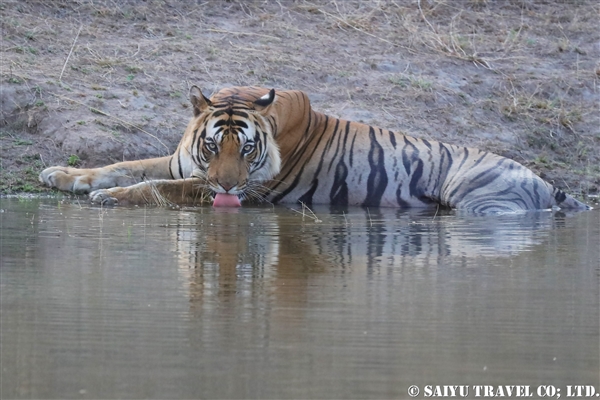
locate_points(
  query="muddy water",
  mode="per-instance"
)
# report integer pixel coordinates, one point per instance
(268, 303)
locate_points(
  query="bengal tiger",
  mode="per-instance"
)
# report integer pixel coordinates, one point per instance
(253, 144)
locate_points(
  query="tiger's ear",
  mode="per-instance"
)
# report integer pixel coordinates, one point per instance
(265, 101)
(198, 100)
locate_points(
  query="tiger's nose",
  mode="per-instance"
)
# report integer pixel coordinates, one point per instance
(226, 185)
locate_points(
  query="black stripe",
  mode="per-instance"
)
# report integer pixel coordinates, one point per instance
(352, 150)
(490, 170)
(444, 168)
(377, 181)
(401, 202)
(338, 195)
(392, 139)
(240, 123)
(414, 155)
(487, 176)
(308, 126)
(273, 125)
(462, 162)
(171, 167)
(179, 161)
(471, 182)
(240, 114)
(294, 183)
(261, 144)
(332, 136)
(337, 148)
(196, 157)
(480, 159)
(198, 148)
(495, 198)
(297, 157)
(560, 196)
(534, 197)
(415, 186)
(307, 197)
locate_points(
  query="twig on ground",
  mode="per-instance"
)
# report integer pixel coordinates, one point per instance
(243, 33)
(70, 52)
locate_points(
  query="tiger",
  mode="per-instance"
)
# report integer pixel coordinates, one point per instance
(252, 145)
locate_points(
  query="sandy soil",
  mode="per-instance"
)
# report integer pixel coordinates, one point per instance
(90, 83)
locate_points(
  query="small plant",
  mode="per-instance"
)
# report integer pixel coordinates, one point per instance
(421, 83)
(133, 69)
(73, 160)
(22, 142)
(28, 187)
(400, 81)
(416, 82)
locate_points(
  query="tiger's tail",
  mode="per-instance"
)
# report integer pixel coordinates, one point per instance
(564, 200)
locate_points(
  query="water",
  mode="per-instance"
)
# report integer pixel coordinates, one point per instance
(268, 303)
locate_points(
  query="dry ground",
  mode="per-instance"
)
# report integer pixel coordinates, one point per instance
(94, 82)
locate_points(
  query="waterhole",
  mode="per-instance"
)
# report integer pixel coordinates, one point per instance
(271, 302)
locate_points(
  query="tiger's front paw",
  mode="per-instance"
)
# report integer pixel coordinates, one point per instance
(65, 178)
(103, 197)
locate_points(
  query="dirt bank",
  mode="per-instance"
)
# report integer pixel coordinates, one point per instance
(92, 83)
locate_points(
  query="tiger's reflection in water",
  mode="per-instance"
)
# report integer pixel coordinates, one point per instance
(238, 253)
(362, 304)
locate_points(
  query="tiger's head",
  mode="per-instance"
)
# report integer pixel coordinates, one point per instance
(233, 147)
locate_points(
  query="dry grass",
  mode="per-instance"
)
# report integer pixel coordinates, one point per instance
(306, 212)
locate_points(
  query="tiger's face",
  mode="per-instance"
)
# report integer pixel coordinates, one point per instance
(234, 150)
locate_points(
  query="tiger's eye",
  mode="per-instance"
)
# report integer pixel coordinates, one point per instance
(248, 148)
(211, 146)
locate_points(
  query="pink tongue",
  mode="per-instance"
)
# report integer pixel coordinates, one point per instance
(226, 200)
